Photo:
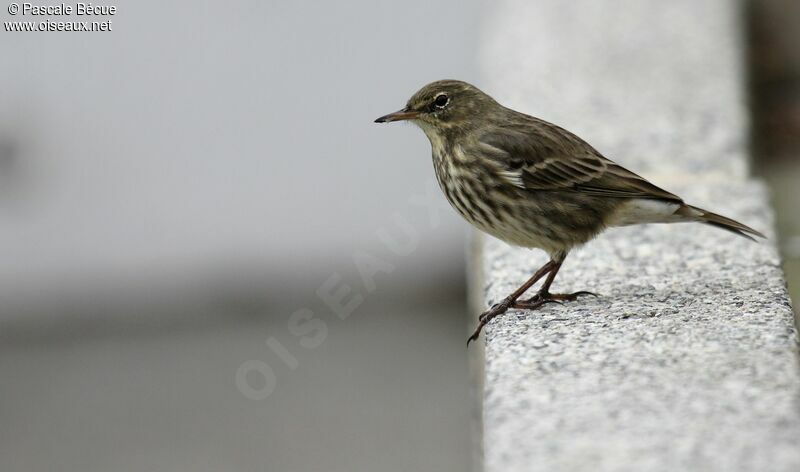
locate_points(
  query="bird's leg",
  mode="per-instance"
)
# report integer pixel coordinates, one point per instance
(544, 295)
(511, 300)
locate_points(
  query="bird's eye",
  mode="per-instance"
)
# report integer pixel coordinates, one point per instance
(441, 100)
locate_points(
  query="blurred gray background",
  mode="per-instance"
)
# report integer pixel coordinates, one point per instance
(173, 190)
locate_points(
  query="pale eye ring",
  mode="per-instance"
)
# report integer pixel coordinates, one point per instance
(441, 100)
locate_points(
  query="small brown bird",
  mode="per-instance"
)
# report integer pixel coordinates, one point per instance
(531, 183)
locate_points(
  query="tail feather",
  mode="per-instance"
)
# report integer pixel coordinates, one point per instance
(713, 219)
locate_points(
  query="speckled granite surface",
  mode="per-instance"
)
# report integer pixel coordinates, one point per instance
(688, 360)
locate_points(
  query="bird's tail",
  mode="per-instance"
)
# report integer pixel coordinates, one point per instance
(713, 219)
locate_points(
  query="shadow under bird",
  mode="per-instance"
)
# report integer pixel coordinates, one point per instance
(531, 183)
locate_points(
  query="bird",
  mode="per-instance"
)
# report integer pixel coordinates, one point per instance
(534, 184)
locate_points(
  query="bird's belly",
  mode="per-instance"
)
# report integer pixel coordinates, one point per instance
(553, 221)
(501, 214)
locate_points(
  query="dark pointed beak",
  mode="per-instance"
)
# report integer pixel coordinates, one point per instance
(404, 114)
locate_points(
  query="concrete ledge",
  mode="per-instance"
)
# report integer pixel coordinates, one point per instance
(689, 359)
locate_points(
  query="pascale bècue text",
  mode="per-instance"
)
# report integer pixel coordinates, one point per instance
(81, 9)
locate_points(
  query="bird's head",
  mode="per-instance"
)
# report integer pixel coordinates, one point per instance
(443, 105)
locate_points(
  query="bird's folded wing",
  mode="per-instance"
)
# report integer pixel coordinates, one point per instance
(555, 159)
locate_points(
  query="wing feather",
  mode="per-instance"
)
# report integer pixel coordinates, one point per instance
(538, 156)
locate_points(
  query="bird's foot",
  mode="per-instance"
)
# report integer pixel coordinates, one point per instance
(532, 303)
(486, 316)
(540, 298)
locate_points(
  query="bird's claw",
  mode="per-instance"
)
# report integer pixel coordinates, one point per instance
(570, 297)
(531, 304)
(486, 316)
